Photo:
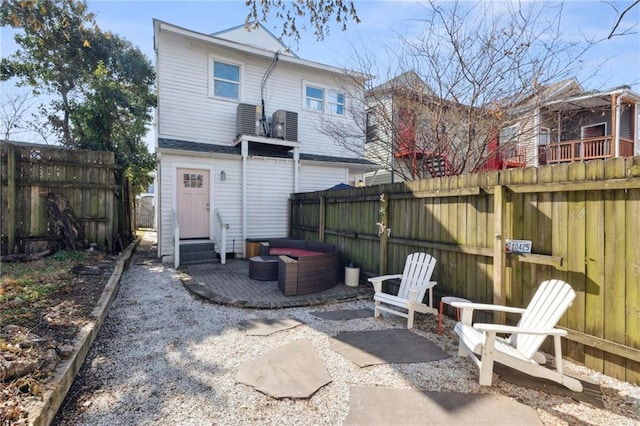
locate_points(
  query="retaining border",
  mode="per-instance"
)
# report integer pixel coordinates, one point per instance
(42, 412)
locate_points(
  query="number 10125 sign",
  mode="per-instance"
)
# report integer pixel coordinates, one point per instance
(518, 246)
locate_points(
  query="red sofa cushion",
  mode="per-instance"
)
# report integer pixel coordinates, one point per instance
(277, 251)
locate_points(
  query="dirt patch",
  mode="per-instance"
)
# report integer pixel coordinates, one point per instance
(43, 305)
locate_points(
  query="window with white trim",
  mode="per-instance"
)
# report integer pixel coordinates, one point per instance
(225, 79)
(314, 98)
(322, 99)
(336, 103)
(509, 134)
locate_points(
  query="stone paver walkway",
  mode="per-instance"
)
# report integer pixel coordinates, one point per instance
(229, 284)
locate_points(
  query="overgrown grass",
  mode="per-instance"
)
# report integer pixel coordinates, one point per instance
(24, 284)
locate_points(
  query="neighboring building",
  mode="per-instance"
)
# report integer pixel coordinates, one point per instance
(514, 144)
(589, 126)
(239, 128)
(415, 134)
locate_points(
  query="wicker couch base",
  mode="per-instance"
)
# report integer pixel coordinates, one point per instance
(307, 274)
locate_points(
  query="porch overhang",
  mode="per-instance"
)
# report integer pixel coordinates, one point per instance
(593, 100)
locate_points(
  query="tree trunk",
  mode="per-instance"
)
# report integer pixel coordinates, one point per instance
(72, 235)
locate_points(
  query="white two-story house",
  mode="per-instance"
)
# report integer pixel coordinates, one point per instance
(239, 128)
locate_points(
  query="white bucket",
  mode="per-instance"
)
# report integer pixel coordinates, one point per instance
(351, 276)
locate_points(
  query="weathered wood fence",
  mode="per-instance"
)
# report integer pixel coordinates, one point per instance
(88, 179)
(583, 220)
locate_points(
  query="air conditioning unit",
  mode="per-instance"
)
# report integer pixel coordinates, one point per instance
(284, 125)
(249, 120)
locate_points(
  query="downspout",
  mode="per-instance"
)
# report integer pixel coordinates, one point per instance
(296, 171)
(245, 154)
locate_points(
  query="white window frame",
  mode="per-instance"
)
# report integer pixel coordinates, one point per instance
(330, 103)
(326, 99)
(514, 139)
(604, 123)
(212, 60)
(544, 133)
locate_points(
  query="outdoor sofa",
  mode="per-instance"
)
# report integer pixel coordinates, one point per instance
(304, 266)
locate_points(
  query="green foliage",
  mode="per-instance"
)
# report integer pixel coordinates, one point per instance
(103, 85)
(68, 256)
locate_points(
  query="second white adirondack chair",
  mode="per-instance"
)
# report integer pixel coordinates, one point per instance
(520, 350)
(415, 281)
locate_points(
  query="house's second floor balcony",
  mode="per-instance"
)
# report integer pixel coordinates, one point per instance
(597, 148)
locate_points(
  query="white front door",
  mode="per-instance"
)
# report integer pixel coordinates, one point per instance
(193, 203)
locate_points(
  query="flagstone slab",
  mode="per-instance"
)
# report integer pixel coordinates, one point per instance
(294, 370)
(344, 314)
(374, 347)
(381, 406)
(266, 326)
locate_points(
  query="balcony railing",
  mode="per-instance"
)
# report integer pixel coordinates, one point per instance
(582, 150)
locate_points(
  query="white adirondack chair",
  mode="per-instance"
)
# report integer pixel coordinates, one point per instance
(413, 286)
(520, 349)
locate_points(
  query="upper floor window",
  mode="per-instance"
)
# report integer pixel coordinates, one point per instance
(336, 103)
(317, 98)
(509, 134)
(225, 80)
(314, 98)
(372, 125)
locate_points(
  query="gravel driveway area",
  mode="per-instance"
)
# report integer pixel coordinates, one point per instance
(165, 356)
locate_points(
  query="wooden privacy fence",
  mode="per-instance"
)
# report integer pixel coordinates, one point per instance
(583, 220)
(88, 179)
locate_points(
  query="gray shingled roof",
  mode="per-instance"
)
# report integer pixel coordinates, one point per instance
(235, 150)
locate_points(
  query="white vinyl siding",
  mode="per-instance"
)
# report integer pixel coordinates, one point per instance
(269, 184)
(316, 177)
(187, 112)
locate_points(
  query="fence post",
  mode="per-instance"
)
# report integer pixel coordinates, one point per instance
(11, 198)
(499, 254)
(384, 235)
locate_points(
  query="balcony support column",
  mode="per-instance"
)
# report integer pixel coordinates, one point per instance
(615, 124)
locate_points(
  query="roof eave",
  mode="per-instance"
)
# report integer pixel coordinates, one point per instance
(160, 26)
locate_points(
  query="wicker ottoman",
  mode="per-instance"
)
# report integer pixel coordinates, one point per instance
(263, 268)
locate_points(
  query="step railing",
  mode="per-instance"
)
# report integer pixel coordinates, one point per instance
(176, 240)
(221, 242)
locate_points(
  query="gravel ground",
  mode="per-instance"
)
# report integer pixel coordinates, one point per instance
(166, 357)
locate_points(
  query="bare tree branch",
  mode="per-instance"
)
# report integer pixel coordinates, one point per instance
(619, 20)
(468, 76)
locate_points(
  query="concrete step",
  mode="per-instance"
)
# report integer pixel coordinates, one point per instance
(196, 245)
(197, 252)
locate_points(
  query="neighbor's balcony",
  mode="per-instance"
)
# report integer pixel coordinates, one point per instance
(582, 150)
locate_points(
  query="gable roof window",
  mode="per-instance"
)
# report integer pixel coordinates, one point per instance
(226, 80)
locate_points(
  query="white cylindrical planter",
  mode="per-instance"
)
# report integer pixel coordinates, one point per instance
(352, 276)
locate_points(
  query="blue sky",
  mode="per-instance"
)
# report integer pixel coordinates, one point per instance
(616, 61)
(610, 63)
